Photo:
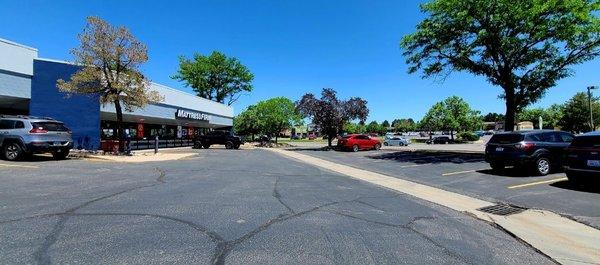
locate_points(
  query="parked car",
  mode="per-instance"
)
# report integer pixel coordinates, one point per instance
(312, 136)
(540, 150)
(25, 135)
(395, 140)
(439, 140)
(356, 142)
(218, 137)
(583, 158)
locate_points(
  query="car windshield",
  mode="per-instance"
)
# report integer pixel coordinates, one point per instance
(508, 138)
(50, 126)
(586, 141)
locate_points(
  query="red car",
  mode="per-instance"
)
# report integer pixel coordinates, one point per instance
(356, 142)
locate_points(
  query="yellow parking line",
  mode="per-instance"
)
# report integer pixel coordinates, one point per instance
(537, 183)
(22, 166)
(461, 172)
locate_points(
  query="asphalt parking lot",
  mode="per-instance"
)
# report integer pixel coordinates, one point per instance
(469, 174)
(230, 207)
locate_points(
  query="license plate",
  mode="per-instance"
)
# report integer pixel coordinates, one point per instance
(499, 149)
(593, 163)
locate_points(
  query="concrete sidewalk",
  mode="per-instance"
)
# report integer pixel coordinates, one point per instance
(564, 240)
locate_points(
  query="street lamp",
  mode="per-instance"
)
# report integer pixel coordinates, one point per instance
(589, 89)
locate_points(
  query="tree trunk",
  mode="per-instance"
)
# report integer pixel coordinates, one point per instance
(509, 120)
(452, 134)
(119, 112)
(329, 140)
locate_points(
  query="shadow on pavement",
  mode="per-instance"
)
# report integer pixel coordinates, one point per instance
(425, 157)
(507, 172)
(592, 187)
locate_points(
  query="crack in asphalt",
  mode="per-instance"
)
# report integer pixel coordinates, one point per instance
(214, 236)
(277, 195)
(41, 254)
(223, 247)
(408, 226)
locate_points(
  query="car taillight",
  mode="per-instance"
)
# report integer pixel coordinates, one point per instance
(38, 130)
(524, 146)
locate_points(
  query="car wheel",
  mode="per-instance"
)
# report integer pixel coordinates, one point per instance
(542, 166)
(355, 148)
(377, 146)
(401, 144)
(228, 145)
(12, 151)
(237, 146)
(497, 166)
(62, 155)
(206, 146)
(386, 144)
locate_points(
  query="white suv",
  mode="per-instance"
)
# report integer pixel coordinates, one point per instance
(25, 135)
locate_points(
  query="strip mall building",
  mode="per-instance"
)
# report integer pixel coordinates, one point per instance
(28, 87)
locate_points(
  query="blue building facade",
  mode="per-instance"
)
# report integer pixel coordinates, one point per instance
(80, 112)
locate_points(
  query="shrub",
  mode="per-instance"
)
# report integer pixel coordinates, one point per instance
(468, 136)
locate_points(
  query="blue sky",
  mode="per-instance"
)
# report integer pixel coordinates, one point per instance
(292, 47)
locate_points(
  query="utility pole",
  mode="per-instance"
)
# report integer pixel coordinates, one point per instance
(589, 90)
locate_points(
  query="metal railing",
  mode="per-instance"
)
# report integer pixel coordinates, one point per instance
(149, 144)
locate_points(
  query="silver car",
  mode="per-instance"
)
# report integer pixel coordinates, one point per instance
(25, 135)
(396, 140)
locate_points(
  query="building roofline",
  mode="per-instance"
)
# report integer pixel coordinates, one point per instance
(18, 44)
(54, 61)
(188, 94)
(152, 83)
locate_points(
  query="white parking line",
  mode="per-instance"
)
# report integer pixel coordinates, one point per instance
(21, 166)
(407, 166)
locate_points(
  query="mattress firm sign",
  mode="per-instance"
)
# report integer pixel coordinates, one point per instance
(191, 115)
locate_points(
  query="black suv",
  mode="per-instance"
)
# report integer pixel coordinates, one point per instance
(542, 150)
(218, 137)
(439, 140)
(583, 158)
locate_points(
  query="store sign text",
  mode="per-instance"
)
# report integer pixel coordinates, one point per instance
(184, 114)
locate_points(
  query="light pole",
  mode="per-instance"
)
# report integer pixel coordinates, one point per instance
(589, 89)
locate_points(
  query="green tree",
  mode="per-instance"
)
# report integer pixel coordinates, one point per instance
(405, 125)
(550, 116)
(434, 118)
(110, 59)
(576, 114)
(523, 46)
(373, 127)
(459, 117)
(385, 125)
(329, 113)
(454, 115)
(215, 77)
(493, 117)
(275, 115)
(247, 123)
(354, 128)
